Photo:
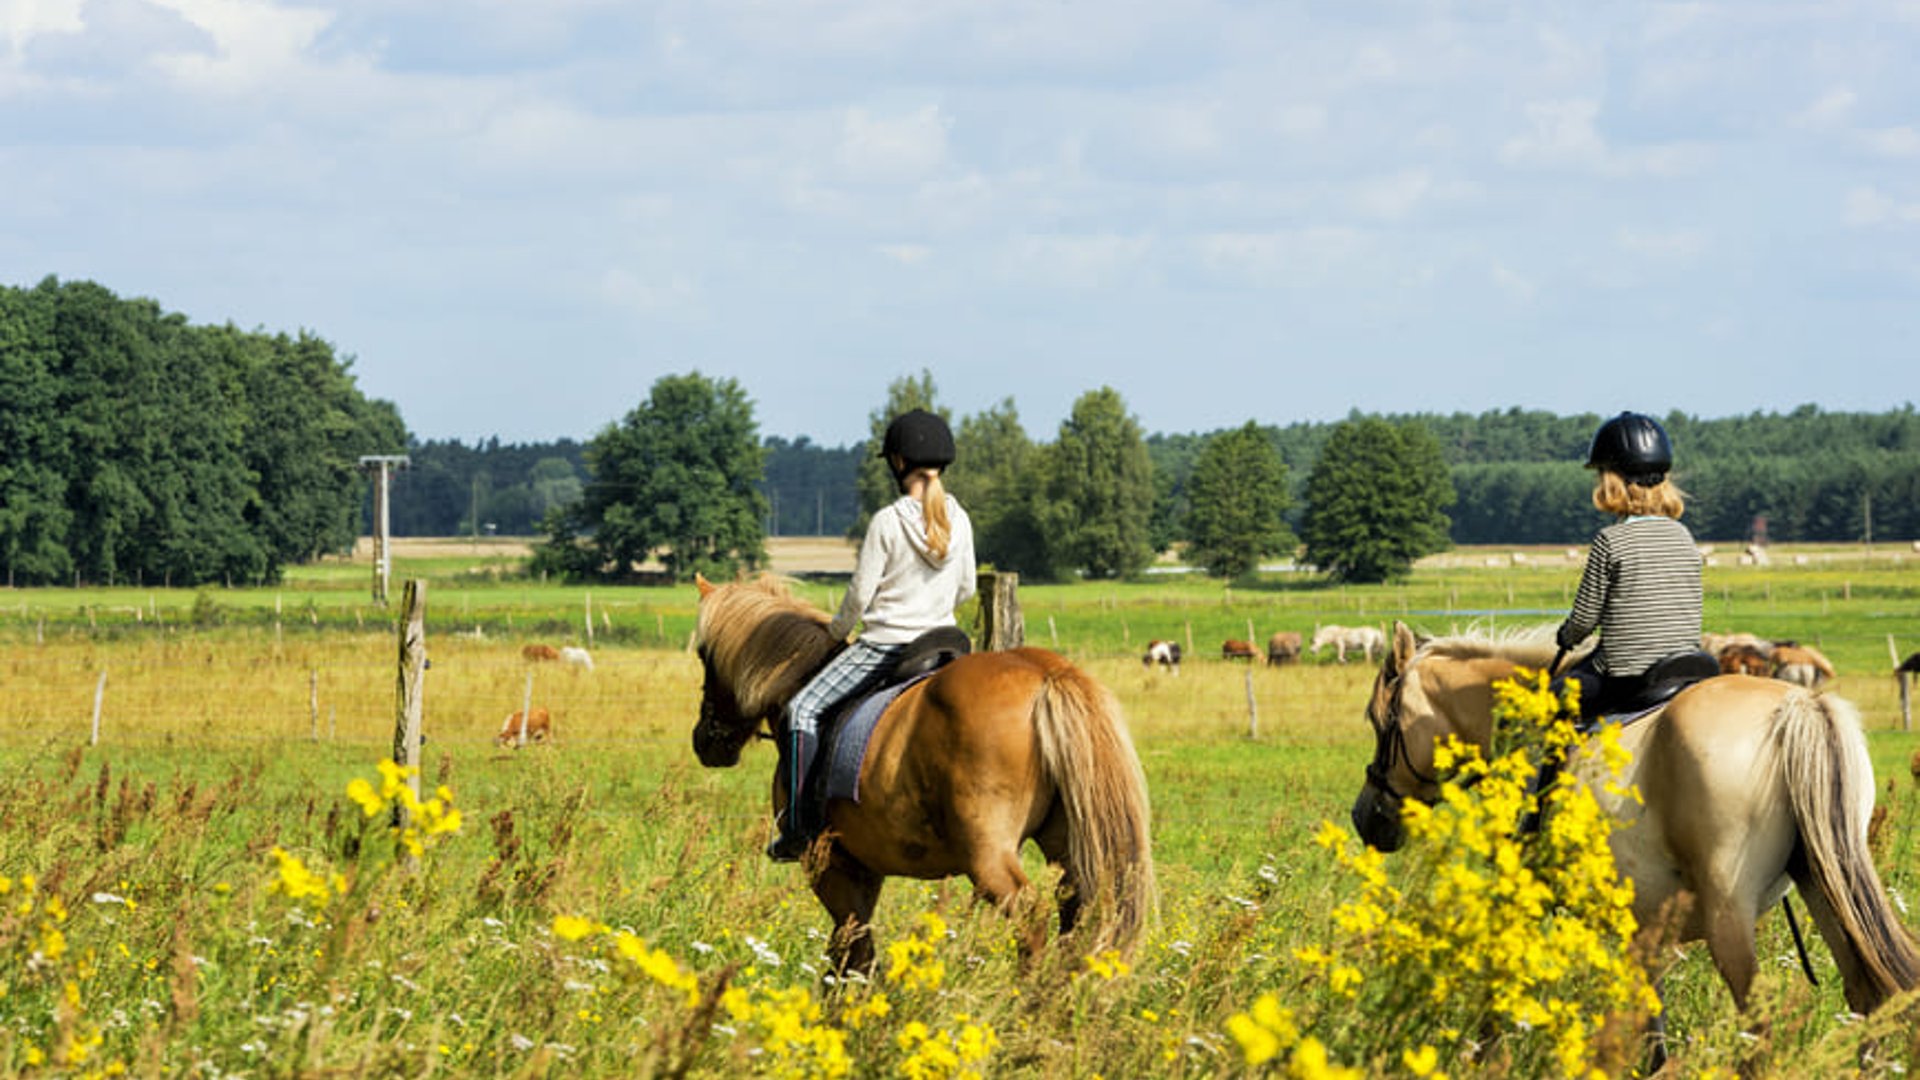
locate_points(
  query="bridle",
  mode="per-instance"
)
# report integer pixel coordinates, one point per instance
(1390, 744)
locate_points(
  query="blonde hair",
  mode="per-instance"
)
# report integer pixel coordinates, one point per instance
(1613, 494)
(933, 503)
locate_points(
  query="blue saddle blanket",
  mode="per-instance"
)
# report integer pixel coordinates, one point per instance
(847, 745)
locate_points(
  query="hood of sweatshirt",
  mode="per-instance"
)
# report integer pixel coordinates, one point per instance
(914, 520)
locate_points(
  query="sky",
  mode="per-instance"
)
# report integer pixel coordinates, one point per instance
(516, 216)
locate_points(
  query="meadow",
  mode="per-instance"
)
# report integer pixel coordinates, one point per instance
(211, 888)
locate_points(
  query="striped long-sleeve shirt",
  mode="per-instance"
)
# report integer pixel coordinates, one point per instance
(1641, 589)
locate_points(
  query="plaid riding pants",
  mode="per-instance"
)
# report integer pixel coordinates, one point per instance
(856, 670)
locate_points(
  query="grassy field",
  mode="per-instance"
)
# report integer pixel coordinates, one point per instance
(232, 722)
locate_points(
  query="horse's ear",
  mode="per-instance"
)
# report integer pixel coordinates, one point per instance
(1404, 644)
(706, 587)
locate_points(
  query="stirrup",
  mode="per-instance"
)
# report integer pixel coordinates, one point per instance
(789, 842)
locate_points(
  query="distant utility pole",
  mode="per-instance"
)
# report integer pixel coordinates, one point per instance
(381, 466)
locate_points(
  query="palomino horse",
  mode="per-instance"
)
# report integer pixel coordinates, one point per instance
(1748, 783)
(993, 750)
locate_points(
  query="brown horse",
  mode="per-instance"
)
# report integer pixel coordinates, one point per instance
(1748, 784)
(995, 749)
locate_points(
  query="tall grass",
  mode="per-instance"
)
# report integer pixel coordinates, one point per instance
(590, 881)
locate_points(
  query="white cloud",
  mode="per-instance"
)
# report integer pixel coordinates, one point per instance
(23, 20)
(1078, 261)
(905, 254)
(1564, 135)
(1894, 142)
(1513, 283)
(1868, 207)
(1830, 109)
(887, 148)
(254, 43)
(1393, 197)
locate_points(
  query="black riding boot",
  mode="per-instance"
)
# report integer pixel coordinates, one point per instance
(797, 827)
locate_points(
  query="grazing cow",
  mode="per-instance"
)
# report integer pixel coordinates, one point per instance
(537, 653)
(1744, 660)
(572, 656)
(1802, 664)
(539, 731)
(1365, 638)
(1235, 649)
(1164, 653)
(1283, 648)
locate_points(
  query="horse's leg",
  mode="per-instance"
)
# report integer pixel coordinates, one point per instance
(1728, 926)
(1052, 840)
(849, 892)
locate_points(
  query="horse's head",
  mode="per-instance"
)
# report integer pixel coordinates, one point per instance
(1427, 690)
(1403, 720)
(723, 731)
(756, 644)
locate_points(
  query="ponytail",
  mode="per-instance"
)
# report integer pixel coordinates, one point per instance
(933, 504)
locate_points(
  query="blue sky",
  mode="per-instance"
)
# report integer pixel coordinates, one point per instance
(517, 216)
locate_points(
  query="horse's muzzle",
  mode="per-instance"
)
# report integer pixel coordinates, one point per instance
(1376, 817)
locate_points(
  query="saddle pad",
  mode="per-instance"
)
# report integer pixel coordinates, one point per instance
(847, 745)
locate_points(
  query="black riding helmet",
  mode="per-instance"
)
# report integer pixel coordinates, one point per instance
(1633, 445)
(921, 439)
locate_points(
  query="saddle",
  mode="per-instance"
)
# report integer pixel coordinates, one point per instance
(1659, 683)
(846, 727)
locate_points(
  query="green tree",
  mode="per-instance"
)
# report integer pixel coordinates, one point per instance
(993, 477)
(875, 480)
(1095, 504)
(1376, 501)
(678, 479)
(34, 519)
(1238, 502)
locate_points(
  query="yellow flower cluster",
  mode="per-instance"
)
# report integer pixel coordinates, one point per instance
(426, 818)
(1485, 920)
(940, 1054)
(1268, 1030)
(1108, 965)
(637, 956)
(294, 881)
(37, 957)
(793, 1040)
(912, 961)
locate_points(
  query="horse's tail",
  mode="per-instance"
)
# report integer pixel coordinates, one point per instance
(1830, 778)
(1089, 757)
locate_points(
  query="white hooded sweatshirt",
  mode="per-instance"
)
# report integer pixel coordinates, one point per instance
(900, 590)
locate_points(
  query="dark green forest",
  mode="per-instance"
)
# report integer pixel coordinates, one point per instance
(135, 447)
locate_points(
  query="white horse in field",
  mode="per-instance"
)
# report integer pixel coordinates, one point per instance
(1366, 639)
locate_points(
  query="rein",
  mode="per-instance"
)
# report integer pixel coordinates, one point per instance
(1390, 744)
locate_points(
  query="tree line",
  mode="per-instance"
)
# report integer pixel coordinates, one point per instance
(135, 448)
(1359, 499)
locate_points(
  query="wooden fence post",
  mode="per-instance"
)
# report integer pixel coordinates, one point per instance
(1002, 626)
(99, 697)
(1253, 710)
(313, 703)
(589, 614)
(409, 684)
(526, 710)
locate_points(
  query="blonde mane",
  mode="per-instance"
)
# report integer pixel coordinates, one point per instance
(763, 640)
(1528, 646)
